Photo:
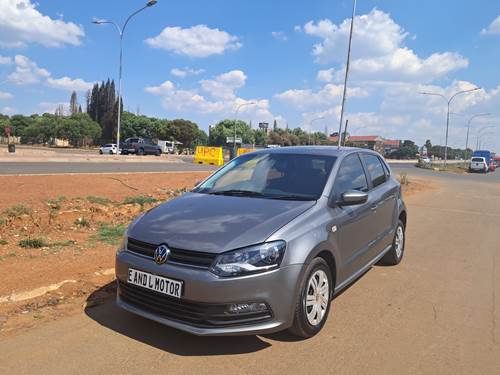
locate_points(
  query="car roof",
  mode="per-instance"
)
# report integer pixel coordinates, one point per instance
(314, 150)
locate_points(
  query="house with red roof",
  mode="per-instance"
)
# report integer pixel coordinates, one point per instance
(372, 142)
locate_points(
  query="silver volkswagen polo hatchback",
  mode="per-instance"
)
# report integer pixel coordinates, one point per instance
(265, 243)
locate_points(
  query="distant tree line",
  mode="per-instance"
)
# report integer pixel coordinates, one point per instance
(260, 137)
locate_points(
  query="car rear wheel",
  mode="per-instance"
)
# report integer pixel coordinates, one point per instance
(100, 152)
(140, 152)
(314, 301)
(395, 254)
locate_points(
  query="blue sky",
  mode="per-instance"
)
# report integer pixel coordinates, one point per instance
(201, 60)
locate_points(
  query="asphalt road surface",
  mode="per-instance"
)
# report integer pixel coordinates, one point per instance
(22, 168)
(436, 313)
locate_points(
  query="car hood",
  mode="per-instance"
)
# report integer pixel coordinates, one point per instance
(215, 223)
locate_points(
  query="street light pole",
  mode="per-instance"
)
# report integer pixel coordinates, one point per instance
(236, 120)
(449, 101)
(310, 126)
(479, 134)
(121, 31)
(468, 130)
(347, 71)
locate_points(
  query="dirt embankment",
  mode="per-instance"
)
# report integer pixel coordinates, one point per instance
(58, 235)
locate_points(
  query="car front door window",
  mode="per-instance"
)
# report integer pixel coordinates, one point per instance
(351, 176)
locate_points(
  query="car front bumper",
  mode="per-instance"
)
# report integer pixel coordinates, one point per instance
(278, 289)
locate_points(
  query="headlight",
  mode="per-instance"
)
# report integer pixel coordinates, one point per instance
(123, 243)
(249, 260)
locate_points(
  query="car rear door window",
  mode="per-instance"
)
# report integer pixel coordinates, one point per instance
(351, 176)
(376, 171)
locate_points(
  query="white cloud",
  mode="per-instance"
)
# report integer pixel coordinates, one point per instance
(225, 85)
(4, 60)
(5, 95)
(22, 24)
(66, 83)
(375, 34)
(197, 41)
(493, 28)
(279, 35)
(9, 111)
(297, 28)
(184, 72)
(307, 99)
(221, 99)
(378, 50)
(27, 72)
(325, 75)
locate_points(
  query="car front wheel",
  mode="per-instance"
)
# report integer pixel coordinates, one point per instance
(314, 301)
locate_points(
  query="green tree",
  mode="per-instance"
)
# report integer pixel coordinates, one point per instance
(73, 103)
(225, 128)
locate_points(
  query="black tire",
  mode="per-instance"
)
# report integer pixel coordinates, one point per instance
(158, 152)
(111, 152)
(301, 325)
(393, 257)
(140, 152)
(100, 152)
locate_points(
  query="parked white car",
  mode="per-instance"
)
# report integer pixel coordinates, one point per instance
(108, 149)
(478, 164)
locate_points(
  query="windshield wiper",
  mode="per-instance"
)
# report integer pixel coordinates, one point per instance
(292, 197)
(239, 193)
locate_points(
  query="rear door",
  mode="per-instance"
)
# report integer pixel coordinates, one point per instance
(383, 198)
(352, 226)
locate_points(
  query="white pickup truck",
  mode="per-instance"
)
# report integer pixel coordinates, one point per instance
(478, 164)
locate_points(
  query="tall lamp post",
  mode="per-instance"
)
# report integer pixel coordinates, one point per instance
(311, 124)
(480, 134)
(468, 130)
(121, 31)
(236, 120)
(449, 101)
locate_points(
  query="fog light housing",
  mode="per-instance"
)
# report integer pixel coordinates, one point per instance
(246, 308)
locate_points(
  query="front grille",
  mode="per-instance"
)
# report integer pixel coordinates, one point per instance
(200, 315)
(178, 256)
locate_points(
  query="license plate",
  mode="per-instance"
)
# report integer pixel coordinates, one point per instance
(159, 284)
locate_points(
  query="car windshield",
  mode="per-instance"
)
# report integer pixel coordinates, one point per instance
(272, 175)
(477, 160)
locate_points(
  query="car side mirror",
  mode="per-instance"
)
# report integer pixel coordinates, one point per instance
(353, 198)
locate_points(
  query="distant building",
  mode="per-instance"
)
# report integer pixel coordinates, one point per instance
(372, 142)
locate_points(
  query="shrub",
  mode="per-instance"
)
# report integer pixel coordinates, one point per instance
(17, 210)
(140, 200)
(99, 200)
(82, 222)
(33, 243)
(110, 234)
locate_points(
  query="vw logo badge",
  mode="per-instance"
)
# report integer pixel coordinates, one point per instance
(161, 254)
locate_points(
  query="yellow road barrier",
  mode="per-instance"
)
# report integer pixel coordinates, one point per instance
(209, 155)
(242, 151)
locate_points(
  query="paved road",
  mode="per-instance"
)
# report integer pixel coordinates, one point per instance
(13, 168)
(436, 313)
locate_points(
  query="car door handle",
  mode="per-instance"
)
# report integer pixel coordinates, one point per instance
(374, 208)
